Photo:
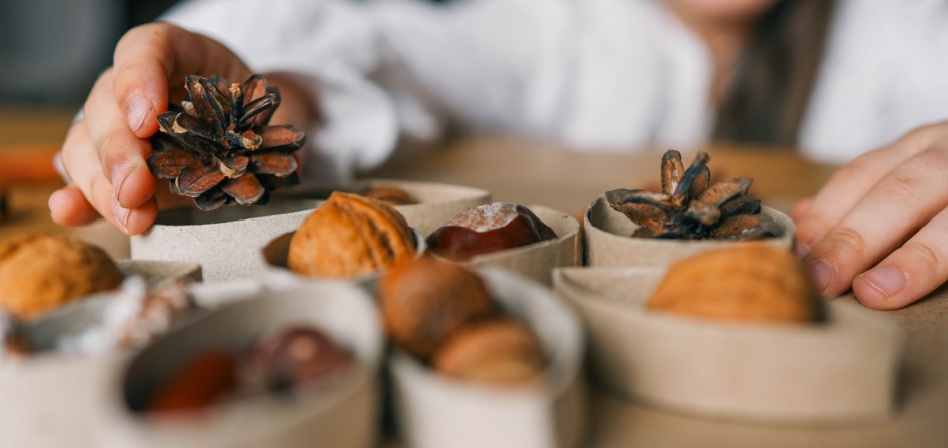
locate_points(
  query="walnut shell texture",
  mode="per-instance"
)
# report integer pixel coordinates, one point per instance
(426, 299)
(498, 352)
(350, 236)
(754, 282)
(39, 273)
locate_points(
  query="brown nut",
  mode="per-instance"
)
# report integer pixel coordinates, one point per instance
(39, 273)
(390, 195)
(488, 228)
(293, 355)
(350, 236)
(753, 282)
(205, 380)
(424, 300)
(499, 352)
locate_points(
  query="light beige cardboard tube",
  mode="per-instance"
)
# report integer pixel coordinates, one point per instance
(55, 399)
(226, 241)
(437, 203)
(437, 412)
(608, 242)
(223, 241)
(841, 370)
(339, 414)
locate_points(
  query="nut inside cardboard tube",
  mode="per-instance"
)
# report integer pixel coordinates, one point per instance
(536, 261)
(435, 411)
(57, 400)
(340, 414)
(842, 370)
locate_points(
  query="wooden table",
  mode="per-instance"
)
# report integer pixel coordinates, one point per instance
(536, 172)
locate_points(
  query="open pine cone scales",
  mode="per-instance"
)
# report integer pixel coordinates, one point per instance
(219, 149)
(691, 207)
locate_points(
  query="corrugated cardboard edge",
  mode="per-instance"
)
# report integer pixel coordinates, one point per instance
(276, 275)
(438, 203)
(342, 415)
(434, 411)
(537, 261)
(607, 241)
(843, 370)
(56, 400)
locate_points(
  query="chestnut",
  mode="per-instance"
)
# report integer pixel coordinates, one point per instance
(488, 228)
(206, 379)
(293, 355)
(426, 299)
(499, 352)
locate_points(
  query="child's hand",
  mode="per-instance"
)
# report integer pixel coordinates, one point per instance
(104, 153)
(880, 225)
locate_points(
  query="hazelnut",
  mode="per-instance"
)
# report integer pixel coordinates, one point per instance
(501, 352)
(390, 195)
(205, 380)
(488, 228)
(39, 273)
(293, 355)
(753, 282)
(424, 300)
(350, 236)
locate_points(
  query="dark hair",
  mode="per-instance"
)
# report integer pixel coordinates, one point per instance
(775, 75)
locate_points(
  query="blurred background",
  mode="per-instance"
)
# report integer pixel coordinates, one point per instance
(51, 52)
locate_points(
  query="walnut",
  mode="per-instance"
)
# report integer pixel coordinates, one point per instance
(350, 236)
(754, 282)
(39, 273)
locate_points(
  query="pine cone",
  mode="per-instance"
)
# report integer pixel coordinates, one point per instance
(690, 207)
(219, 149)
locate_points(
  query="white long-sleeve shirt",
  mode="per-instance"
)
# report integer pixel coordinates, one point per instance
(596, 74)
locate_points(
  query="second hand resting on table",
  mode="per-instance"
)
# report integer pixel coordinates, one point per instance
(879, 226)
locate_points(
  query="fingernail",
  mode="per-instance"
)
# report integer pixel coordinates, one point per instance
(887, 280)
(121, 216)
(822, 273)
(138, 109)
(802, 250)
(118, 179)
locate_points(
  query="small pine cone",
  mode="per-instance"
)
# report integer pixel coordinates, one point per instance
(219, 149)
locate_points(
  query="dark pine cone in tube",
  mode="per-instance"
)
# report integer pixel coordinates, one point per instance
(219, 149)
(691, 207)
